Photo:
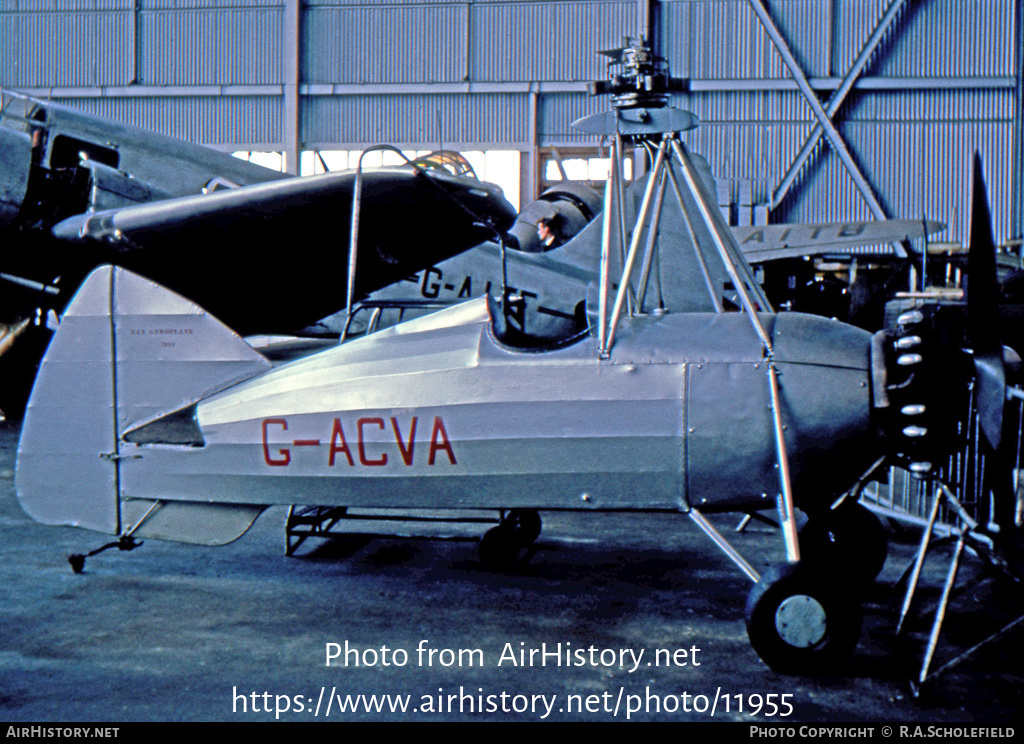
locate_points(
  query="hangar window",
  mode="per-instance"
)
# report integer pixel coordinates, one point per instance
(589, 166)
(500, 167)
(272, 160)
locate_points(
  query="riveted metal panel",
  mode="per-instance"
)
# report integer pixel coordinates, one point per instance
(226, 46)
(393, 44)
(207, 120)
(446, 120)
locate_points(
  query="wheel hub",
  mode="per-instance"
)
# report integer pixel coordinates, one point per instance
(800, 621)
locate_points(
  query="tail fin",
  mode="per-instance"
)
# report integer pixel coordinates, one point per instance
(127, 352)
(678, 278)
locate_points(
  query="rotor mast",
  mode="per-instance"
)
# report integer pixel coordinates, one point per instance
(640, 86)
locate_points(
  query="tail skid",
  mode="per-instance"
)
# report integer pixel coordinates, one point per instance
(128, 353)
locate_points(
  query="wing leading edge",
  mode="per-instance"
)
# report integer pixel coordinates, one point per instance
(273, 257)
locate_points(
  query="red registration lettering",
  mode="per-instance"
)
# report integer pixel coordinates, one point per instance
(362, 452)
(338, 444)
(439, 442)
(405, 449)
(286, 455)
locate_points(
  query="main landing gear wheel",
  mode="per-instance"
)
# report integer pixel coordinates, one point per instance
(500, 546)
(799, 623)
(850, 541)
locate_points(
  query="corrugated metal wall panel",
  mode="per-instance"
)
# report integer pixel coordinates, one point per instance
(51, 6)
(852, 25)
(954, 37)
(947, 153)
(725, 41)
(208, 120)
(735, 152)
(750, 135)
(826, 193)
(807, 27)
(65, 49)
(448, 120)
(919, 170)
(556, 113)
(207, 4)
(211, 47)
(545, 41)
(404, 44)
(361, 3)
(757, 106)
(933, 106)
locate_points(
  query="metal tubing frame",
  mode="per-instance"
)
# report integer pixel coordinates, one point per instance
(940, 612)
(634, 247)
(606, 238)
(716, 300)
(716, 537)
(353, 239)
(745, 285)
(649, 248)
(787, 518)
(620, 193)
(922, 552)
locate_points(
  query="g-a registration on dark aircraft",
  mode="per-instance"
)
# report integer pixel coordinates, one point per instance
(551, 279)
(152, 419)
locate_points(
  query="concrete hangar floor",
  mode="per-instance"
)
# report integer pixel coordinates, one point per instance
(639, 616)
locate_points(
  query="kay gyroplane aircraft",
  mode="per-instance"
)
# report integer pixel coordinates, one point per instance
(152, 419)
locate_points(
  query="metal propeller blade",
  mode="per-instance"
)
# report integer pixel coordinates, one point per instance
(983, 314)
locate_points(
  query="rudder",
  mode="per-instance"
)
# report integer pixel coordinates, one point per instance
(127, 352)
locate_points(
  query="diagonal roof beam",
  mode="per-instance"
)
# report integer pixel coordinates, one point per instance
(834, 138)
(836, 101)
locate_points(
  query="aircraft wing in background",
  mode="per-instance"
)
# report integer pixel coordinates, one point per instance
(773, 242)
(274, 256)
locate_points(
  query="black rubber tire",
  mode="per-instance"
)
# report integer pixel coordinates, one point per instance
(799, 622)
(527, 525)
(499, 547)
(849, 542)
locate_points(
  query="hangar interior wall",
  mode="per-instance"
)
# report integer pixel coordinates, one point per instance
(931, 81)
